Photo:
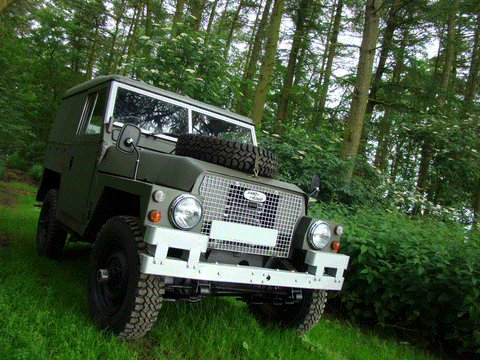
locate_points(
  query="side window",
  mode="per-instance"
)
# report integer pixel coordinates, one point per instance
(94, 113)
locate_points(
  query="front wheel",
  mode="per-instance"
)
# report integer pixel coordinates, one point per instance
(301, 316)
(120, 297)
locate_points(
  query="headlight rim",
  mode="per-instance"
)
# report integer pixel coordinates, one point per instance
(311, 233)
(173, 206)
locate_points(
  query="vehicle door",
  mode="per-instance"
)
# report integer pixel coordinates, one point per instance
(83, 155)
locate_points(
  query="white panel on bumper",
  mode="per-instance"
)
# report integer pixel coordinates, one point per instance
(242, 233)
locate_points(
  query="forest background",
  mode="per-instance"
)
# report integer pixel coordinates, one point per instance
(381, 98)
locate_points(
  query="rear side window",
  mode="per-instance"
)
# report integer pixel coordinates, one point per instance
(94, 113)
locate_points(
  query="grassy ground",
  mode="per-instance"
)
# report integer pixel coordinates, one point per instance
(44, 313)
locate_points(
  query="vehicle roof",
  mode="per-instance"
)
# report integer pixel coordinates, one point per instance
(142, 85)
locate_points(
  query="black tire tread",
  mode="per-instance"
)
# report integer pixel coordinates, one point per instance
(229, 153)
(148, 296)
(51, 243)
(301, 317)
(149, 291)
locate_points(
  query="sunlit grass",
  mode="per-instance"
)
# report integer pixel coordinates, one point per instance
(44, 314)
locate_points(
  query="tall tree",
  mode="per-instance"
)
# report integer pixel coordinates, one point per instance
(428, 142)
(385, 122)
(354, 123)
(332, 47)
(233, 25)
(197, 7)
(177, 17)
(253, 58)
(298, 40)
(267, 63)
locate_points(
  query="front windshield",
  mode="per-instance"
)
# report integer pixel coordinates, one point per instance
(151, 115)
(156, 116)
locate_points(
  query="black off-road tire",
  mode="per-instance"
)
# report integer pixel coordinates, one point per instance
(129, 301)
(51, 236)
(229, 153)
(301, 316)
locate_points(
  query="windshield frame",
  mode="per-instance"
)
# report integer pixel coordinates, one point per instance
(185, 104)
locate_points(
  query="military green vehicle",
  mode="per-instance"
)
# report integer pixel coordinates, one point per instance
(179, 203)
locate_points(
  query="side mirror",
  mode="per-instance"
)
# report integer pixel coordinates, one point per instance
(315, 186)
(128, 139)
(127, 143)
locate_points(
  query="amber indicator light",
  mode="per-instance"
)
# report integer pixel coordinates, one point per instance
(336, 245)
(154, 215)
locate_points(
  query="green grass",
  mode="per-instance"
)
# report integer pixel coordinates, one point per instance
(44, 313)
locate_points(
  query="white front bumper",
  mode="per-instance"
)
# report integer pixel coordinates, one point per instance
(193, 268)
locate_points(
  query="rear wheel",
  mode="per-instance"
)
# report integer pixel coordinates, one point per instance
(120, 297)
(301, 316)
(51, 236)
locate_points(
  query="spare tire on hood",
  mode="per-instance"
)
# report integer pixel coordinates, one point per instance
(232, 154)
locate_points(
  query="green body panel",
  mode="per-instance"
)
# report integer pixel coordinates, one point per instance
(174, 171)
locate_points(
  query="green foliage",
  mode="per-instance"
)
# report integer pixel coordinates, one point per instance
(35, 172)
(2, 166)
(419, 275)
(184, 63)
(302, 154)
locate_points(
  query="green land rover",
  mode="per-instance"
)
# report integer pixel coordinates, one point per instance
(179, 203)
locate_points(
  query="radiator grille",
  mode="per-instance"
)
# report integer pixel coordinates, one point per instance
(224, 200)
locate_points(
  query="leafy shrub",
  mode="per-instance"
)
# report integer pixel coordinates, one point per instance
(302, 154)
(421, 275)
(35, 172)
(17, 162)
(2, 166)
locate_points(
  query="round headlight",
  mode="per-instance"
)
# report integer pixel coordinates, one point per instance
(319, 235)
(185, 212)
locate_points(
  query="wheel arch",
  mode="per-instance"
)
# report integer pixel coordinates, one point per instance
(50, 180)
(112, 202)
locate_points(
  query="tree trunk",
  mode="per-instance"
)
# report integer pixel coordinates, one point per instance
(428, 142)
(377, 78)
(178, 11)
(354, 124)
(91, 58)
(298, 38)
(328, 68)
(449, 54)
(196, 9)
(148, 26)
(252, 61)
(386, 121)
(210, 20)
(474, 69)
(118, 19)
(133, 34)
(232, 28)
(267, 63)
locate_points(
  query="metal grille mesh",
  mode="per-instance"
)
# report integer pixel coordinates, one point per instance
(224, 200)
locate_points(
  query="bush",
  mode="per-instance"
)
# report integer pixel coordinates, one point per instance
(35, 172)
(17, 162)
(302, 154)
(2, 166)
(419, 275)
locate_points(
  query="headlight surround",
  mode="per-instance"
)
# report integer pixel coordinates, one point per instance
(185, 212)
(319, 235)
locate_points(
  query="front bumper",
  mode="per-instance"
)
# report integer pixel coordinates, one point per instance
(325, 270)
